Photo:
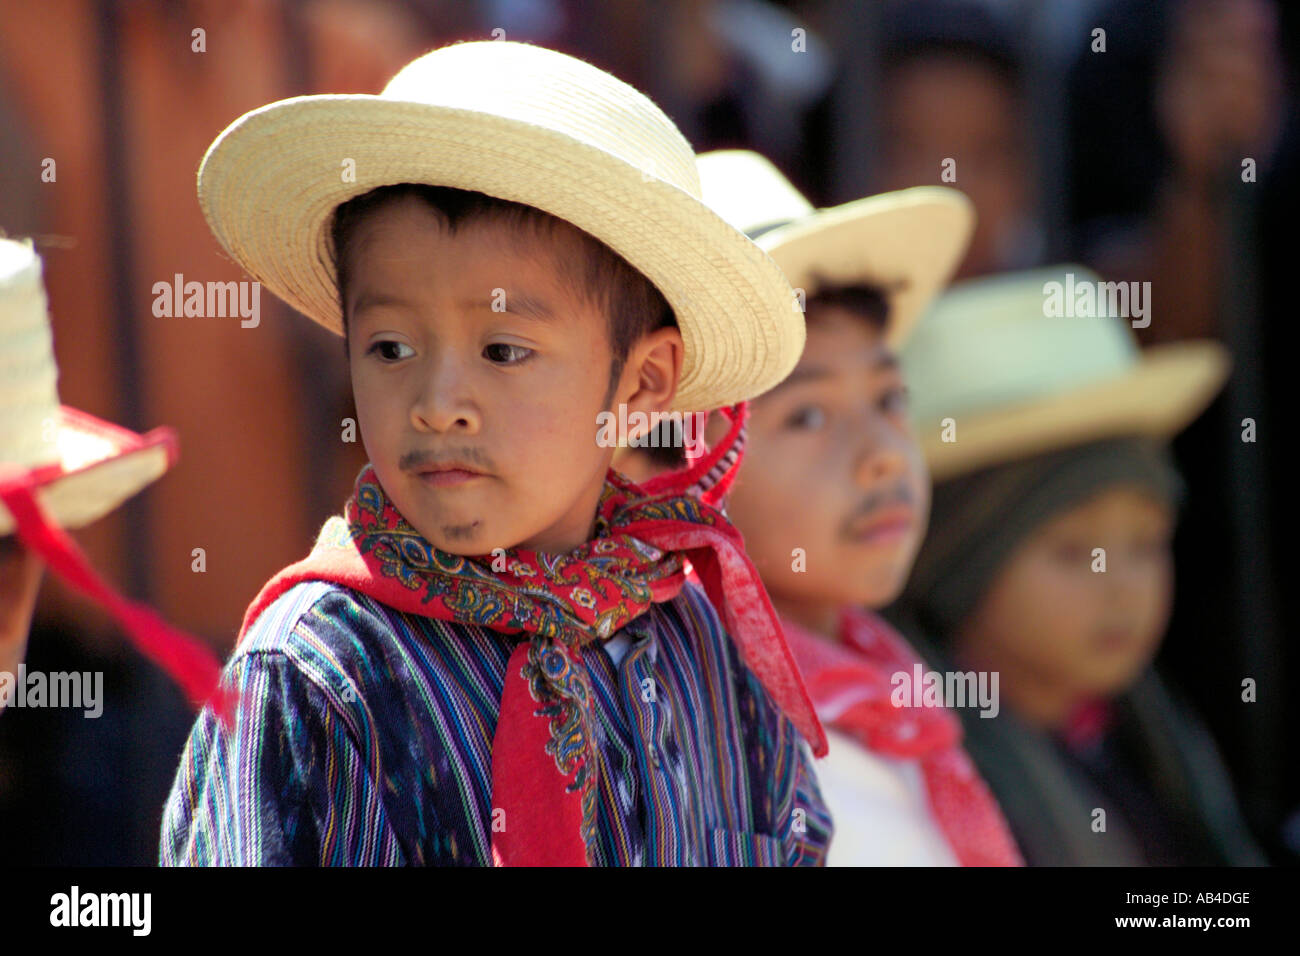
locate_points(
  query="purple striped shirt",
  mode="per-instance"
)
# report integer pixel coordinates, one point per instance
(364, 737)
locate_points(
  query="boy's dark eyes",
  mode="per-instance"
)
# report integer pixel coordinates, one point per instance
(390, 351)
(811, 417)
(806, 417)
(503, 353)
(895, 400)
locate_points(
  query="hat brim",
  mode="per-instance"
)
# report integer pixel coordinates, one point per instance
(270, 183)
(910, 241)
(99, 466)
(1170, 386)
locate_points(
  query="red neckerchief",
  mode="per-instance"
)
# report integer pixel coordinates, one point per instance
(543, 758)
(850, 684)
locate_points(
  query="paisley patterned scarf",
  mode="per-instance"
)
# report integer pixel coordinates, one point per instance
(851, 684)
(646, 543)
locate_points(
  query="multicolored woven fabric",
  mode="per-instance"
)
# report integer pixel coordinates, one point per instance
(364, 737)
(550, 609)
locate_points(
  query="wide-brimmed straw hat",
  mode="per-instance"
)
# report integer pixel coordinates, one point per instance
(1018, 379)
(907, 242)
(82, 467)
(525, 124)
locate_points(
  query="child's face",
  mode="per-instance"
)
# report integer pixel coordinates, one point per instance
(508, 399)
(940, 108)
(1058, 630)
(832, 468)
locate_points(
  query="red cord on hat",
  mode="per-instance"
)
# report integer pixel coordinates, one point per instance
(184, 658)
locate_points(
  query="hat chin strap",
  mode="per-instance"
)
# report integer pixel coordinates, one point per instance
(711, 476)
(189, 663)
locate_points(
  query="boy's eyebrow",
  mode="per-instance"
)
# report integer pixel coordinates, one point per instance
(516, 303)
(885, 361)
(369, 298)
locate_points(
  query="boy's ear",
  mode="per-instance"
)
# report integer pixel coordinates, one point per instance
(652, 371)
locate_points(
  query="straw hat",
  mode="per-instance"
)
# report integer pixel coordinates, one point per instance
(907, 242)
(525, 124)
(81, 467)
(1018, 381)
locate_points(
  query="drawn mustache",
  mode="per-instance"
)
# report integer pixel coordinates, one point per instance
(900, 494)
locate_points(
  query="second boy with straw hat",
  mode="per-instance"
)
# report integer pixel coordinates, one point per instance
(832, 500)
(1048, 563)
(493, 655)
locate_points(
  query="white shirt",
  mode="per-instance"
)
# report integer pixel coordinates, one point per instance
(880, 808)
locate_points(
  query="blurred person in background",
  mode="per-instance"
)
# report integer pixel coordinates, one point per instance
(1183, 153)
(1048, 564)
(953, 112)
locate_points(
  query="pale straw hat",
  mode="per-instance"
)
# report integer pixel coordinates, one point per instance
(81, 467)
(1017, 381)
(521, 123)
(906, 242)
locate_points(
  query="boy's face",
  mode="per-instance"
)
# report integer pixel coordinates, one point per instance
(480, 423)
(1057, 629)
(832, 468)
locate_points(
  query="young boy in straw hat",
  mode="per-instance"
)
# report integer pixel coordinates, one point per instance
(833, 499)
(1048, 563)
(493, 655)
(60, 469)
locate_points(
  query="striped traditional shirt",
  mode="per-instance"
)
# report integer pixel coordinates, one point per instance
(364, 737)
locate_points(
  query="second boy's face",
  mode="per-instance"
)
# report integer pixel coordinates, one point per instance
(833, 473)
(478, 376)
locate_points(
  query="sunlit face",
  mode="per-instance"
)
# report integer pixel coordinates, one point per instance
(1058, 630)
(833, 472)
(480, 422)
(940, 108)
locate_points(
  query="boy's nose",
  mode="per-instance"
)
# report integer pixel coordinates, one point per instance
(881, 456)
(445, 404)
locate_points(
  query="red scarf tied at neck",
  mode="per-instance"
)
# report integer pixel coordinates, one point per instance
(543, 757)
(851, 684)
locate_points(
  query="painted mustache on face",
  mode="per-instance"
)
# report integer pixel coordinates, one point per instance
(886, 506)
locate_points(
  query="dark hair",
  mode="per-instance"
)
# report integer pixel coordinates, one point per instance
(633, 306)
(867, 301)
(962, 29)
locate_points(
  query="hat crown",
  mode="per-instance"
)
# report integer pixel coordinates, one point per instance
(531, 84)
(748, 191)
(29, 398)
(1000, 342)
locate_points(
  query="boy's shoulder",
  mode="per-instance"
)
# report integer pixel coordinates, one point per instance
(332, 632)
(309, 616)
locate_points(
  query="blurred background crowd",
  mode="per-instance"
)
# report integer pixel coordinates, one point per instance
(1120, 150)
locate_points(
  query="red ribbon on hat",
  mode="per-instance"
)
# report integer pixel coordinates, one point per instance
(184, 658)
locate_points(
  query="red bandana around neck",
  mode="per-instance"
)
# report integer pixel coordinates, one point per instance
(543, 758)
(851, 685)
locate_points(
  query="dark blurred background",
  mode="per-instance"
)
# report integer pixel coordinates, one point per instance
(1128, 159)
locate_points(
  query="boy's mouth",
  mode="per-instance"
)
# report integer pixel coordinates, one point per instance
(443, 478)
(882, 526)
(446, 474)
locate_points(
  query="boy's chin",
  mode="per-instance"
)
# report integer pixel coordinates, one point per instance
(880, 586)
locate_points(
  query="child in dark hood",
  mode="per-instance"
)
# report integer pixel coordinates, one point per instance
(1048, 563)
